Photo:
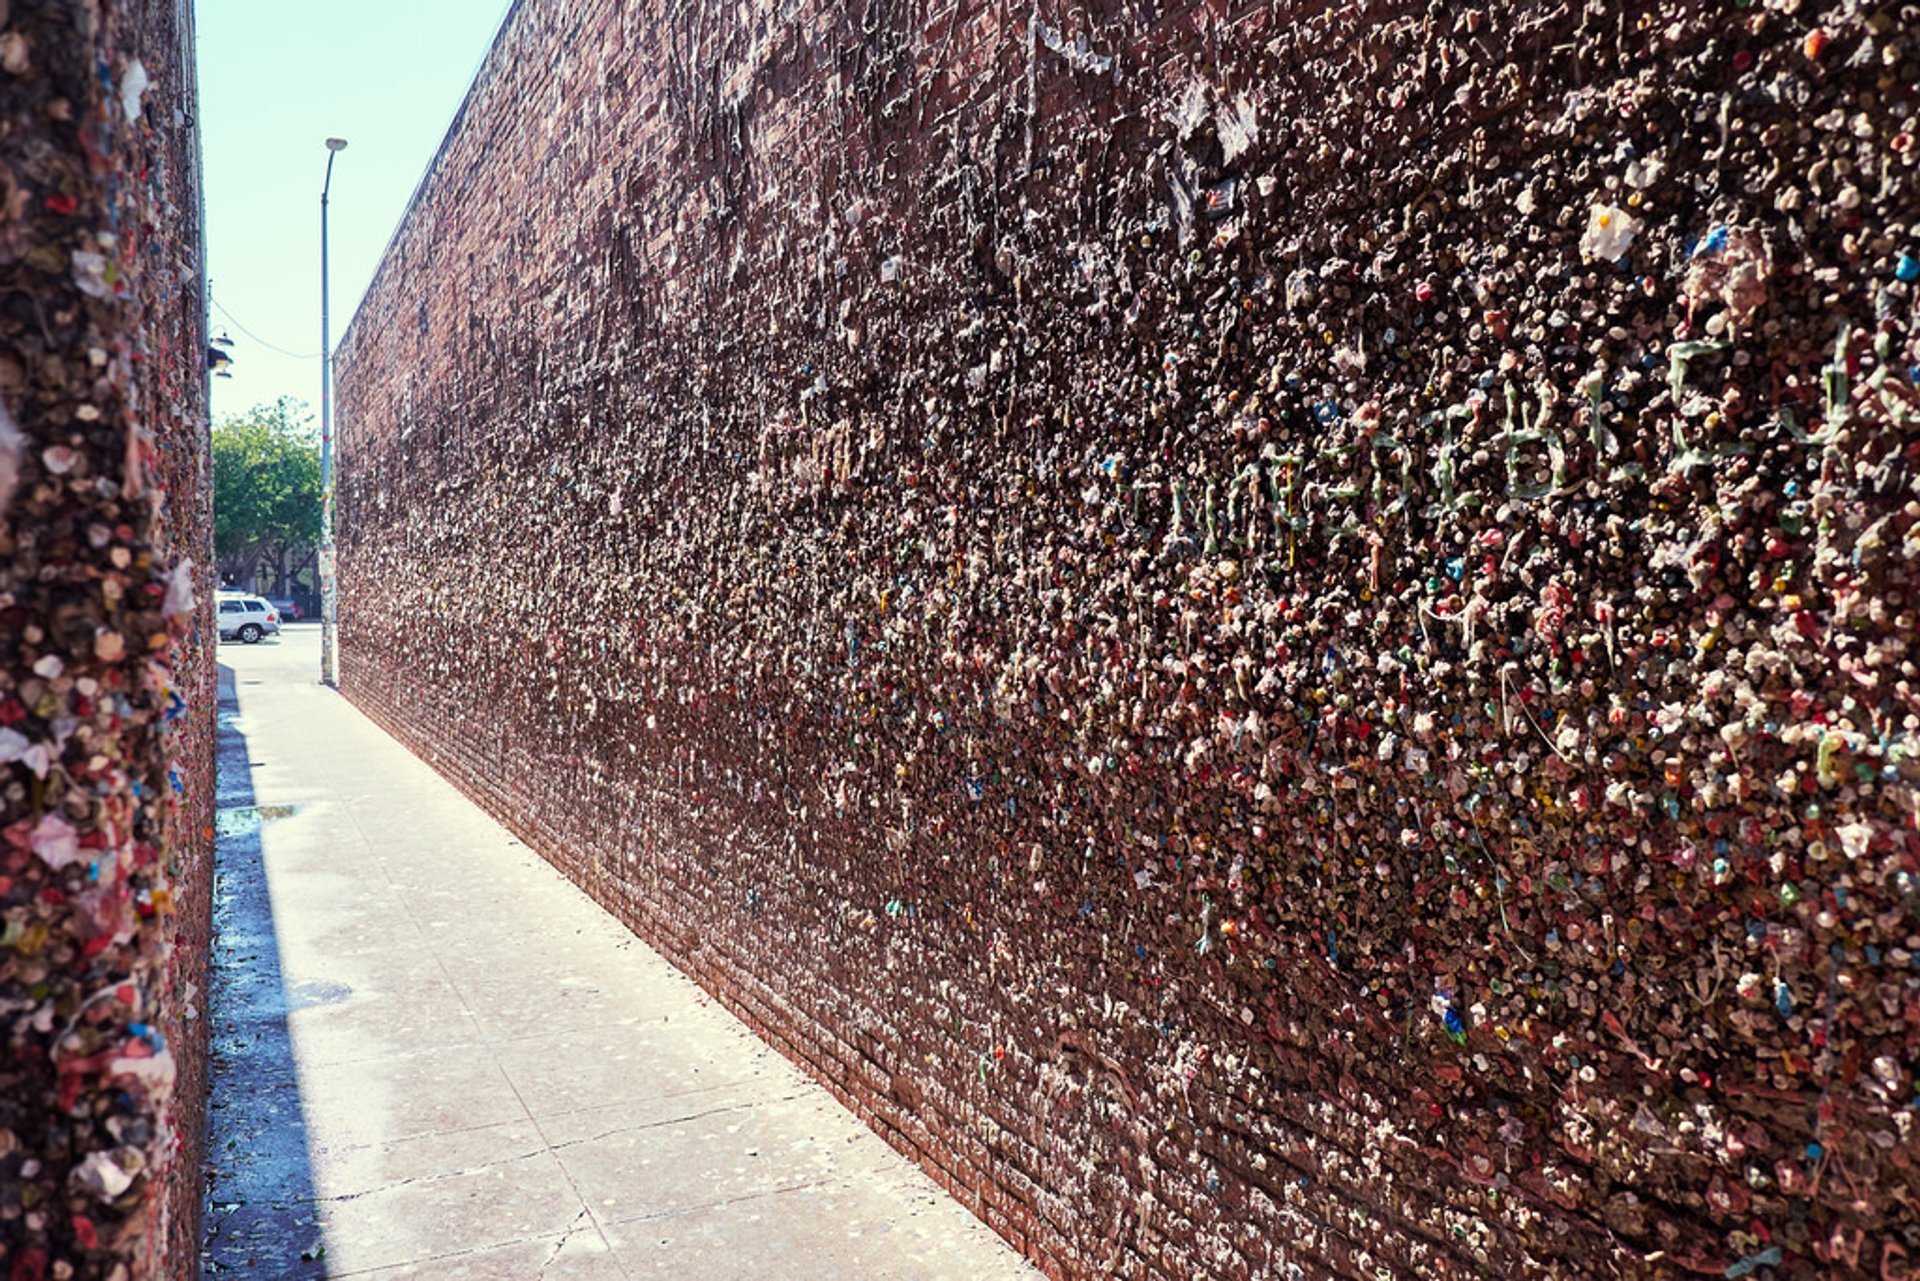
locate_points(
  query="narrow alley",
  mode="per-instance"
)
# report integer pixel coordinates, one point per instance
(434, 1057)
(1205, 642)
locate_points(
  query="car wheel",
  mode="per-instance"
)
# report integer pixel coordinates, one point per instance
(250, 633)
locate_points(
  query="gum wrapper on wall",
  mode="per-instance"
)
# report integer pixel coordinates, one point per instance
(106, 676)
(1280, 640)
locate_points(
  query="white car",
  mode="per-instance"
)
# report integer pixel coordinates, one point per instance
(245, 618)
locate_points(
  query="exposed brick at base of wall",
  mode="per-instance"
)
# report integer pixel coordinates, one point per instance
(1280, 639)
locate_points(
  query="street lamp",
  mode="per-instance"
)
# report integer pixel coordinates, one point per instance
(328, 619)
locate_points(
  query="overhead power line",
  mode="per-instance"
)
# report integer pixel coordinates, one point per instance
(238, 324)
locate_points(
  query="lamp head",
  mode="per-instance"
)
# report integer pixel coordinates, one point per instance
(336, 144)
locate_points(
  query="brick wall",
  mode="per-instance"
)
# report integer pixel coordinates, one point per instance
(1278, 638)
(106, 680)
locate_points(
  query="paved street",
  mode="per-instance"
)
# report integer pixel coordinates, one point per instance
(435, 1058)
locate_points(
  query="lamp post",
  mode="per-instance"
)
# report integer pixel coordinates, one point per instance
(328, 663)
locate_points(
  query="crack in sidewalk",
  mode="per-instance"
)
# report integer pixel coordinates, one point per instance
(565, 1237)
(672, 1120)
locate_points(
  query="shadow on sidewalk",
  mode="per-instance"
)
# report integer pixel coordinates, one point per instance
(261, 1220)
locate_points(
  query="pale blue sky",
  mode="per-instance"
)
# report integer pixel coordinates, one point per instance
(277, 77)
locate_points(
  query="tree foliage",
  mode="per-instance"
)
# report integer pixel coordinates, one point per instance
(266, 486)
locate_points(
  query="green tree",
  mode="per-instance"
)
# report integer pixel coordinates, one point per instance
(266, 492)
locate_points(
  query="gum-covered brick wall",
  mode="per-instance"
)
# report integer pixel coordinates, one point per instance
(106, 669)
(1281, 639)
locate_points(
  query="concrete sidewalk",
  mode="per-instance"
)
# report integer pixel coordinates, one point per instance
(435, 1058)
